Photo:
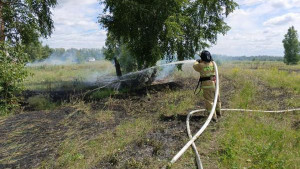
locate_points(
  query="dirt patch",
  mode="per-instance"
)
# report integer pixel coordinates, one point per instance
(296, 125)
(227, 90)
(270, 96)
(29, 138)
(158, 145)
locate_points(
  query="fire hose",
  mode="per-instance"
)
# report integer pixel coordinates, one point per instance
(193, 138)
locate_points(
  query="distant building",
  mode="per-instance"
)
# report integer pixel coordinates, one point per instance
(91, 59)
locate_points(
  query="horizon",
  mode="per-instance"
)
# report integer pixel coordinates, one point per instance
(217, 54)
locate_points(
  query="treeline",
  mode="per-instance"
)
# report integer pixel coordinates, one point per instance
(247, 58)
(36, 51)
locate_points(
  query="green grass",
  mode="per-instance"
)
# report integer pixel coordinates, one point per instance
(280, 78)
(178, 102)
(244, 97)
(102, 93)
(41, 102)
(252, 140)
(261, 65)
(105, 93)
(275, 74)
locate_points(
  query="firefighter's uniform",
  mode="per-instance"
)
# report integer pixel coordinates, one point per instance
(206, 69)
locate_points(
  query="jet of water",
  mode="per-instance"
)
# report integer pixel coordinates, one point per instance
(139, 78)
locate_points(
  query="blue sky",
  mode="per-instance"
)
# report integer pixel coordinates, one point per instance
(257, 27)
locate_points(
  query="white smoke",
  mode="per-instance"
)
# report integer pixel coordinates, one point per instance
(66, 59)
(104, 76)
(165, 71)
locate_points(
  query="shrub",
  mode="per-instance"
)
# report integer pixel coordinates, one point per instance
(13, 73)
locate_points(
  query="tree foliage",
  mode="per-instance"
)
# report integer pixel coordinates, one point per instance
(27, 20)
(291, 46)
(154, 29)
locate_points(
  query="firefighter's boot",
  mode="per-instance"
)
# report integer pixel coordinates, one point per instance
(218, 108)
(215, 119)
(219, 113)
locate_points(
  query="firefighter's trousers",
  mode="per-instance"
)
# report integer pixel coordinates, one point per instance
(209, 95)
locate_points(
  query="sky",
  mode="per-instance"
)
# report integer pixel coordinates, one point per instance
(257, 27)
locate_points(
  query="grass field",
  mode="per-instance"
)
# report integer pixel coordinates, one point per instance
(66, 76)
(145, 128)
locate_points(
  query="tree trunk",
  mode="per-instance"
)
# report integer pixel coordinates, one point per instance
(118, 67)
(2, 35)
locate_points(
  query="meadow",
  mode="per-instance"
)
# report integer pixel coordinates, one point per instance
(145, 128)
(48, 77)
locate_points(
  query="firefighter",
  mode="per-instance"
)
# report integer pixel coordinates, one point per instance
(207, 82)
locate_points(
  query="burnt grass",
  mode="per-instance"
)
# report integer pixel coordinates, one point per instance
(31, 137)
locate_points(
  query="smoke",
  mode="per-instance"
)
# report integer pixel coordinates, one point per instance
(103, 76)
(61, 56)
(65, 59)
(164, 72)
(161, 72)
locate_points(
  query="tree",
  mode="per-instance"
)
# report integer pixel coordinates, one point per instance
(291, 46)
(118, 51)
(36, 51)
(155, 29)
(22, 22)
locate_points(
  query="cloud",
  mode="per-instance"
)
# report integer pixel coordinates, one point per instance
(285, 3)
(63, 3)
(76, 25)
(249, 2)
(283, 20)
(273, 3)
(280, 4)
(258, 27)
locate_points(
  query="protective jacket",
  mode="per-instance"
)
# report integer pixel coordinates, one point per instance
(206, 69)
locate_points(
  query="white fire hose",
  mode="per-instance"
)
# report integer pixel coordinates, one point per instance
(193, 138)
